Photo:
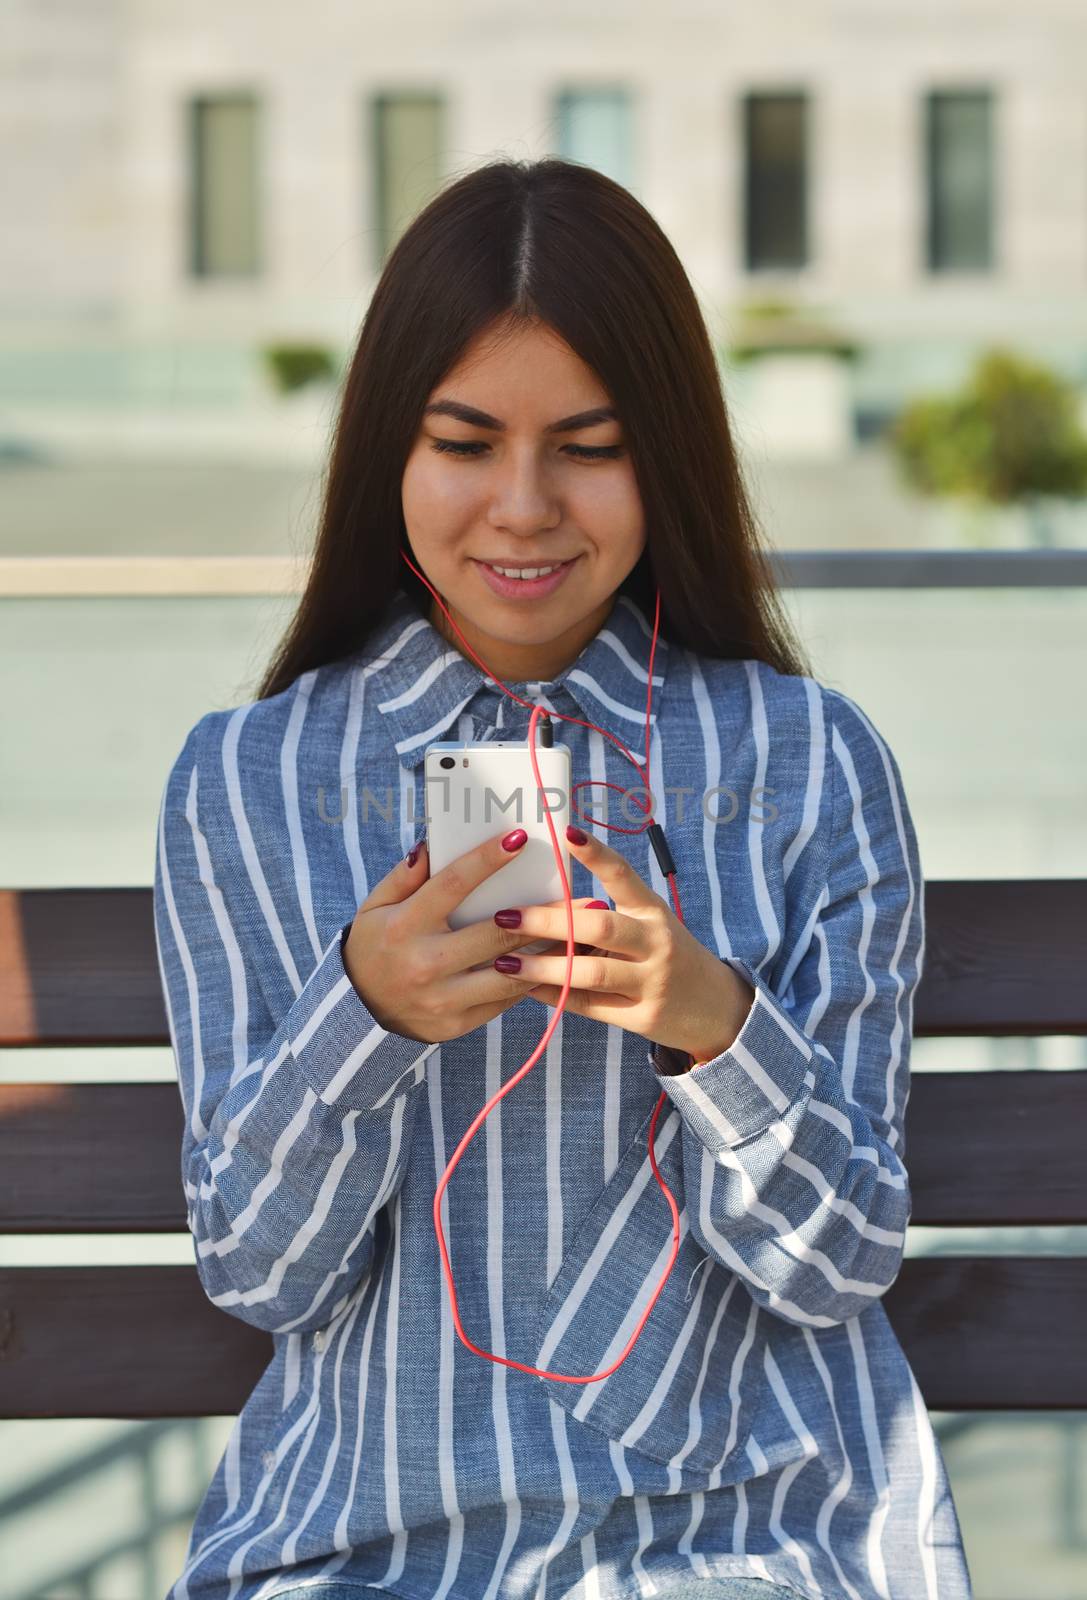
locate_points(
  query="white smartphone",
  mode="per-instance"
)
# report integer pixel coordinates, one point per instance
(474, 790)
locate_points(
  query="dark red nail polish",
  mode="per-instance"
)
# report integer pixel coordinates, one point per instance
(514, 840)
(575, 835)
(413, 855)
(508, 963)
(508, 919)
(597, 905)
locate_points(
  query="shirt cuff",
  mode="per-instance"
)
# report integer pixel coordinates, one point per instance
(745, 1088)
(347, 1056)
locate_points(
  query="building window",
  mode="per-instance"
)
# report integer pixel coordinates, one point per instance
(959, 151)
(407, 143)
(595, 128)
(775, 134)
(225, 220)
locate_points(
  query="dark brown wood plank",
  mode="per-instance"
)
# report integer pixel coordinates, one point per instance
(78, 966)
(981, 1333)
(1004, 956)
(994, 1333)
(121, 1342)
(997, 1148)
(981, 1148)
(91, 1158)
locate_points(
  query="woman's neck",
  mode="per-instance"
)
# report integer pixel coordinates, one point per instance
(528, 663)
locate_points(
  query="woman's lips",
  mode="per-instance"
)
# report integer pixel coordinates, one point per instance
(525, 588)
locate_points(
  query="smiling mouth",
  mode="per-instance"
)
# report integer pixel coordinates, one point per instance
(517, 584)
(524, 566)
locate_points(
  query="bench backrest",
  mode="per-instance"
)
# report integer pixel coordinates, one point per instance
(981, 1331)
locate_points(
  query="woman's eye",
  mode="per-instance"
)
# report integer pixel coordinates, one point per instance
(581, 452)
(457, 447)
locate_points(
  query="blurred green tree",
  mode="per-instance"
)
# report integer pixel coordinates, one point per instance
(293, 364)
(1011, 436)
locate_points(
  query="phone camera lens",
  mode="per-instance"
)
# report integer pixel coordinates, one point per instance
(447, 762)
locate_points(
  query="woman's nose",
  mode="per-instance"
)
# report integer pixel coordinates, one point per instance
(523, 491)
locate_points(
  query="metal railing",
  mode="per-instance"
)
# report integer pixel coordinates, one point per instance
(86, 576)
(139, 1448)
(931, 569)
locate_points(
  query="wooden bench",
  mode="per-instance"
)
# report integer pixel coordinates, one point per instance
(982, 1332)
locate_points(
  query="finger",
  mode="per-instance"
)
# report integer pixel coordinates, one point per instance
(558, 943)
(584, 900)
(402, 881)
(576, 901)
(444, 890)
(514, 938)
(549, 996)
(595, 925)
(589, 974)
(558, 946)
(619, 878)
(610, 1008)
(587, 902)
(473, 948)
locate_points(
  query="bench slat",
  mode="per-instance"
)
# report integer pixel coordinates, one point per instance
(981, 1333)
(981, 1148)
(992, 1148)
(78, 966)
(1004, 956)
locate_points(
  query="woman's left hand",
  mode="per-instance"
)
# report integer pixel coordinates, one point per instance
(646, 971)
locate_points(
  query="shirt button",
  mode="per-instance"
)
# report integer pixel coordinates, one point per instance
(268, 1460)
(319, 1339)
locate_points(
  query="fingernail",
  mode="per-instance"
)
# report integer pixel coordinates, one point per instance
(575, 835)
(413, 854)
(508, 963)
(514, 840)
(597, 905)
(508, 919)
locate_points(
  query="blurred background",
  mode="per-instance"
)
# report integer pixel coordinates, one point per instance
(883, 210)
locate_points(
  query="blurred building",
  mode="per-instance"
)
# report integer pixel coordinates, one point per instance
(223, 176)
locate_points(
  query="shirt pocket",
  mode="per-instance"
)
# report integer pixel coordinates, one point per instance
(687, 1393)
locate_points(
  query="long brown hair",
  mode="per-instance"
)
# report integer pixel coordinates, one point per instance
(558, 242)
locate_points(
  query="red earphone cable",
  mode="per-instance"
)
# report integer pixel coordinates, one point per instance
(536, 713)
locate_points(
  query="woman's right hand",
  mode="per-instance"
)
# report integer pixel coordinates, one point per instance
(411, 970)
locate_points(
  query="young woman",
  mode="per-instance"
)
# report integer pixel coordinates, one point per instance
(534, 385)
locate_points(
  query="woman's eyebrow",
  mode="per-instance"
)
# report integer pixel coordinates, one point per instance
(482, 419)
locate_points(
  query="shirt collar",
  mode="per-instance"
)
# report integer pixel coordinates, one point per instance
(421, 684)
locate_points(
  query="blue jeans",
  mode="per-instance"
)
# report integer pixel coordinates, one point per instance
(691, 1588)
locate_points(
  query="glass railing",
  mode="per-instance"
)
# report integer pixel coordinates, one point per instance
(977, 689)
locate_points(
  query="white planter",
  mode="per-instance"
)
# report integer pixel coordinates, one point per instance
(794, 404)
(960, 524)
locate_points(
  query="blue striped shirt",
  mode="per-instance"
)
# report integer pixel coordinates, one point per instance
(766, 1422)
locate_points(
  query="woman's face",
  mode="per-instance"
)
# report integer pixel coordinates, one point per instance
(490, 478)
